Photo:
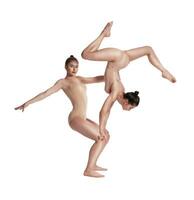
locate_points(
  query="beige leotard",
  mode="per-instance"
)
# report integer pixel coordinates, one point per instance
(76, 91)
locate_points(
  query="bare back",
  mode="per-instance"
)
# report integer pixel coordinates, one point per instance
(112, 76)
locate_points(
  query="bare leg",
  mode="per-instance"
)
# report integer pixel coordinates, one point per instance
(86, 128)
(92, 52)
(153, 59)
(97, 42)
(96, 167)
(105, 142)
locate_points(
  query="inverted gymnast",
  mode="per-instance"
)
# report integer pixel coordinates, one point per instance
(116, 60)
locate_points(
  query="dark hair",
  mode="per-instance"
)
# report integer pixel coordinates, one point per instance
(71, 58)
(132, 98)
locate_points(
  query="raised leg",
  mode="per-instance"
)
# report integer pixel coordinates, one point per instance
(88, 129)
(153, 59)
(92, 51)
(97, 42)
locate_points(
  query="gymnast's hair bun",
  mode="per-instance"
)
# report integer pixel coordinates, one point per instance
(71, 58)
(132, 98)
(136, 93)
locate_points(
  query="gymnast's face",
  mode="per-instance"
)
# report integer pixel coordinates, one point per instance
(72, 68)
(127, 106)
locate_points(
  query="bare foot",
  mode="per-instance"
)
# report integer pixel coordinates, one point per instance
(92, 173)
(106, 30)
(166, 74)
(97, 168)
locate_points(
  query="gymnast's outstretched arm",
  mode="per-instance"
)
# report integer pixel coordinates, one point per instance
(56, 87)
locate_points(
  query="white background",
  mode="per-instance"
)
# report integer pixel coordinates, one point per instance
(150, 154)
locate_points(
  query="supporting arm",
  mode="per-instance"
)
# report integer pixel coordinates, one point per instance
(105, 112)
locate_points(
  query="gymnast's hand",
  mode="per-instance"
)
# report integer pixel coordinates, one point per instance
(102, 136)
(22, 107)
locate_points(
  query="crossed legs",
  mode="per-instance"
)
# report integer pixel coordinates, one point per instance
(90, 129)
